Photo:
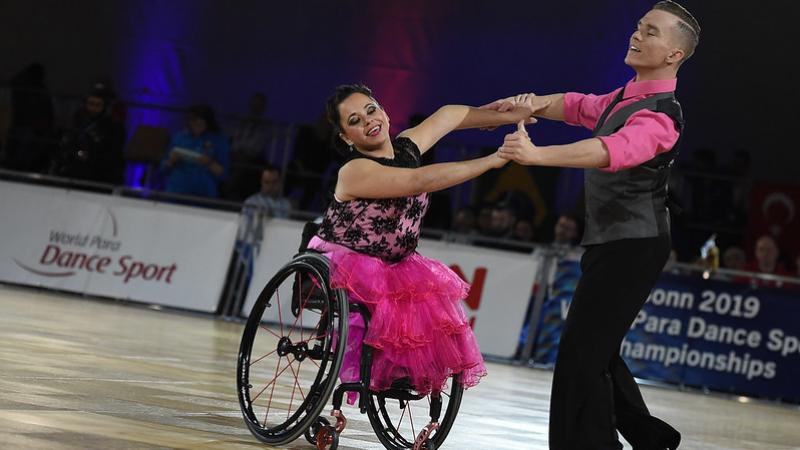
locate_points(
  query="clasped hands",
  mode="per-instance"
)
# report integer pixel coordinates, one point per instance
(517, 146)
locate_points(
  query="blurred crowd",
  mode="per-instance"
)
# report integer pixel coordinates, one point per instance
(249, 158)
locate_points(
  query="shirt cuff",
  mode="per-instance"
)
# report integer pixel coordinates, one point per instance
(616, 158)
(572, 101)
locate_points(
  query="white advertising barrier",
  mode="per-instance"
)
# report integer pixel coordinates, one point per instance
(501, 283)
(115, 247)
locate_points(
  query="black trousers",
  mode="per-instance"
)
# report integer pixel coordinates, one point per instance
(594, 393)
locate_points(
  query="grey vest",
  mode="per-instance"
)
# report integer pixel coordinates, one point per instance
(631, 203)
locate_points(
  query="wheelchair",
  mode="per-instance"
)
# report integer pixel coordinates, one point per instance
(288, 367)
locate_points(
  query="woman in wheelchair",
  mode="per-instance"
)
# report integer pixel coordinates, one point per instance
(417, 332)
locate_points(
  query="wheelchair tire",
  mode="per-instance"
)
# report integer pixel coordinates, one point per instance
(291, 350)
(387, 421)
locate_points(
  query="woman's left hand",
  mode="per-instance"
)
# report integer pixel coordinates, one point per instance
(518, 147)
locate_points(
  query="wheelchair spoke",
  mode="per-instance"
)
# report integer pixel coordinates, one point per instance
(265, 328)
(302, 303)
(297, 382)
(279, 395)
(269, 403)
(291, 399)
(411, 418)
(259, 359)
(402, 415)
(274, 379)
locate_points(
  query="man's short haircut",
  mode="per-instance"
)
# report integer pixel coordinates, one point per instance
(271, 168)
(688, 27)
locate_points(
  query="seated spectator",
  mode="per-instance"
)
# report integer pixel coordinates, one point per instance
(766, 261)
(463, 224)
(464, 221)
(503, 220)
(269, 200)
(484, 219)
(567, 230)
(734, 258)
(93, 148)
(198, 158)
(523, 231)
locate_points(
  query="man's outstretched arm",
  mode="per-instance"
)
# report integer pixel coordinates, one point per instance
(553, 111)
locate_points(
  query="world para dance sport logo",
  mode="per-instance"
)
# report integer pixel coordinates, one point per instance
(67, 254)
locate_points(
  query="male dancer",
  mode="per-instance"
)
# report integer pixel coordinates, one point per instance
(627, 162)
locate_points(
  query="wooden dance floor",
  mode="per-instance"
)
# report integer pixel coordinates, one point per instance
(87, 374)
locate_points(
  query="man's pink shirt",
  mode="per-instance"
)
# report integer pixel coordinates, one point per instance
(645, 133)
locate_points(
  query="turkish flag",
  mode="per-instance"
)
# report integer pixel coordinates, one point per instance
(775, 210)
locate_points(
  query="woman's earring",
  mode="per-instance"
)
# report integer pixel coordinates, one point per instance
(352, 148)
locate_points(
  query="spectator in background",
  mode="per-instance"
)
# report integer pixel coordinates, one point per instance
(566, 230)
(503, 220)
(464, 221)
(766, 258)
(734, 258)
(249, 139)
(464, 224)
(30, 143)
(502, 223)
(766, 262)
(269, 200)
(523, 231)
(93, 149)
(484, 219)
(199, 156)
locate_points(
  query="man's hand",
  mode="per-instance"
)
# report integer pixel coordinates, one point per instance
(529, 102)
(501, 105)
(518, 147)
(532, 102)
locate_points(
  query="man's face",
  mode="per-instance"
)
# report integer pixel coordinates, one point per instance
(270, 183)
(95, 105)
(464, 221)
(566, 230)
(654, 42)
(766, 251)
(502, 220)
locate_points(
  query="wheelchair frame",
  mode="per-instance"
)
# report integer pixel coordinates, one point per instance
(329, 346)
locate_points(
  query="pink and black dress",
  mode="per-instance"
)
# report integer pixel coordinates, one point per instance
(418, 327)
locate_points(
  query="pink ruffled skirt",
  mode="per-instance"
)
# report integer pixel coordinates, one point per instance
(418, 328)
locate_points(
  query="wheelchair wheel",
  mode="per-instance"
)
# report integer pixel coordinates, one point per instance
(291, 350)
(398, 416)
